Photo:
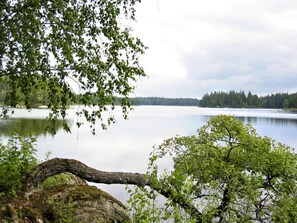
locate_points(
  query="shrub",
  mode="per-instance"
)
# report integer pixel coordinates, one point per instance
(17, 157)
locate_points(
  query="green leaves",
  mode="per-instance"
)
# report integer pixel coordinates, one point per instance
(144, 206)
(229, 173)
(16, 159)
(73, 43)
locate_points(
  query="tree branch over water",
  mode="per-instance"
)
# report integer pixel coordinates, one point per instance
(58, 165)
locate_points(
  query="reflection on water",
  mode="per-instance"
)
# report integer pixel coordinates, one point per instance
(126, 145)
(268, 121)
(27, 126)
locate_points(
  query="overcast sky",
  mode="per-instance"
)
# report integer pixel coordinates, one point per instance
(198, 46)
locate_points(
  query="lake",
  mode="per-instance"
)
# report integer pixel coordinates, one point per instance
(126, 145)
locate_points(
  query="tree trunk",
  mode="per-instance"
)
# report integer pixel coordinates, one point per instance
(57, 165)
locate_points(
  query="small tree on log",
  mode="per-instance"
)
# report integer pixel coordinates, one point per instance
(226, 173)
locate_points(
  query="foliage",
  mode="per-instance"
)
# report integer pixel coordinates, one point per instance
(64, 211)
(16, 159)
(234, 99)
(228, 173)
(58, 45)
(37, 96)
(144, 205)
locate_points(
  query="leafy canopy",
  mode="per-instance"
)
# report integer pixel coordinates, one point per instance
(226, 173)
(65, 44)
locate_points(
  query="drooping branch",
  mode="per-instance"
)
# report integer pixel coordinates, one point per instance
(57, 165)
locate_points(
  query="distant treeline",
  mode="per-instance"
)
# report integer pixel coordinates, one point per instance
(164, 101)
(135, 101)
(231, 99)
(239, 99)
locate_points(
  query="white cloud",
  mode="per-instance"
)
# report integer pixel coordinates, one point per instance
(199, 46)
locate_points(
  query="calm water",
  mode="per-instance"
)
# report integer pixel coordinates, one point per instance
(126, 145)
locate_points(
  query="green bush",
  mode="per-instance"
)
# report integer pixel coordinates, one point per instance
(17, 157)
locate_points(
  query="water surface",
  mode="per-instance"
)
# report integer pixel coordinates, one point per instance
(126, 145)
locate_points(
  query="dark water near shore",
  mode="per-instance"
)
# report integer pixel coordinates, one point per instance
(126, 145)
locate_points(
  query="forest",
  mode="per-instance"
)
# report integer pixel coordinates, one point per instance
(233, 99)
(163, 101)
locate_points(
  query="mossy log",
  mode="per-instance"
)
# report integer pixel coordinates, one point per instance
(56, 166)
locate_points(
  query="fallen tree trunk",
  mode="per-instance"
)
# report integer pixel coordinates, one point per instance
(57, 165)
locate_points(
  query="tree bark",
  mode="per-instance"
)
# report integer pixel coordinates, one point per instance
(57, 165)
